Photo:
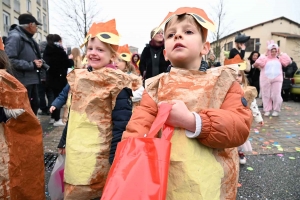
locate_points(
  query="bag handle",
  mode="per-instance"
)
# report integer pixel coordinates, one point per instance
(161, 118)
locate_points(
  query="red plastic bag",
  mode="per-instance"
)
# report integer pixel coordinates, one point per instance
(56, 181)
(141, 165)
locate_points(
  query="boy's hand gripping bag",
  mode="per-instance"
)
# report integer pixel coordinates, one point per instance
(141, 165)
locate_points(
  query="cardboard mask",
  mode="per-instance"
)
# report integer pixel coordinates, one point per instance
(105, 32)
(124, 53)
(236, 61)
(198, 14)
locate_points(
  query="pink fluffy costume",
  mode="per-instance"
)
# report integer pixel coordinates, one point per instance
(271, 77)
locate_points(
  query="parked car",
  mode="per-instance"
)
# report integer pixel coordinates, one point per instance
(295, 90)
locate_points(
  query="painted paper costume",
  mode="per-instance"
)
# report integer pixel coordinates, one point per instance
(90, 126)
(203, 168)
(21, 144)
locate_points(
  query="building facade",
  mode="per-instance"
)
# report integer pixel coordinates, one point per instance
(133, 49)
(285, 32)
(11, 9)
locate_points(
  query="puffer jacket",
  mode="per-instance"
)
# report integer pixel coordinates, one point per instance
(22, 51)
(208, 164)
(120, 116)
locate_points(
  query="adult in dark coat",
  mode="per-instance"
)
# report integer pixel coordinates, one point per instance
(55, 56)
(43, 88)
(152, 60)
(25, 57)
(240, 46)
(288, 73)
(254, 73)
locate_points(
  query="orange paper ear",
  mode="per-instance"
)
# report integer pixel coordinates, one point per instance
(124, 52)
(199, 15)
(236, 60)
(105, 32)
(1, 44)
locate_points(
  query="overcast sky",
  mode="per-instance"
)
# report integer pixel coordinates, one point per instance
(136, 18)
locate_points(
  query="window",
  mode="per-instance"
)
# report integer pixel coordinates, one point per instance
(6, 2)
(253, 44)
(45, 4)
(38, 2)
(17, 6)
(45, 23)
(38, 14)
(6, 23)
(39, 37)
(278, 43)
(16, 21)
(228, 46)
(28, 4)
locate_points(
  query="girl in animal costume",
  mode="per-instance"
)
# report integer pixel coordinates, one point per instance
(99, 111)
(21, 140)
(250, 94)
(123, 64)
(271, 77)
(209, 112)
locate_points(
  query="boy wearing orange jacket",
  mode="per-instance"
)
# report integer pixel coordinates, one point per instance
(209, 112)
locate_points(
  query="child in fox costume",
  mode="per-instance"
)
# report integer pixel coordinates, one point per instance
(123, 63)
(22, 173)
(271, 77)
(99, 111)
(209, 112)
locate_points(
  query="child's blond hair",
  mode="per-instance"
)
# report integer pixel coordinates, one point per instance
(244, 79)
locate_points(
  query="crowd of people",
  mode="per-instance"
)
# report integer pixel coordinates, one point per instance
(112, 95)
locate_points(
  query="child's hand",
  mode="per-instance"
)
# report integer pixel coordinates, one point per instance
(62, 151)
(180, 116)
(52, 108)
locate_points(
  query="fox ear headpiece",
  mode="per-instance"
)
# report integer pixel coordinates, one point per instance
(236, 61)
(1, 43)
(198, 14)
(105, 32)
(124, 53)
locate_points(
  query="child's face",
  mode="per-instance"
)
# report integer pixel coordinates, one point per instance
(135, 58)
(98, 54)
(239, 78)
(120, 64)
(184, 46)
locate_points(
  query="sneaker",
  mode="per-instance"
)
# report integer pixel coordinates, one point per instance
(59, 123)
(242, 158)
(275, 114)
(267, 114)
(51, 121)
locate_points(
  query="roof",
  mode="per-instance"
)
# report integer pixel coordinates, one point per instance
(286, 35)
(250, 27)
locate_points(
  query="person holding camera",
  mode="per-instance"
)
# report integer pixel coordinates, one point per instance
(25, 57)
(59, 62)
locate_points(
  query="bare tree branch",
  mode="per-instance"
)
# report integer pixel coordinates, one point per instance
(74, 18)
(223, 27)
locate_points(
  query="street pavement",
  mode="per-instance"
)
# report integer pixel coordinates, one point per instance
(272, 170)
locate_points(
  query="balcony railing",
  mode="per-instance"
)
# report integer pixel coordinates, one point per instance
(45, 4)
(38, 2)
(6, 2)
(17, 6)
